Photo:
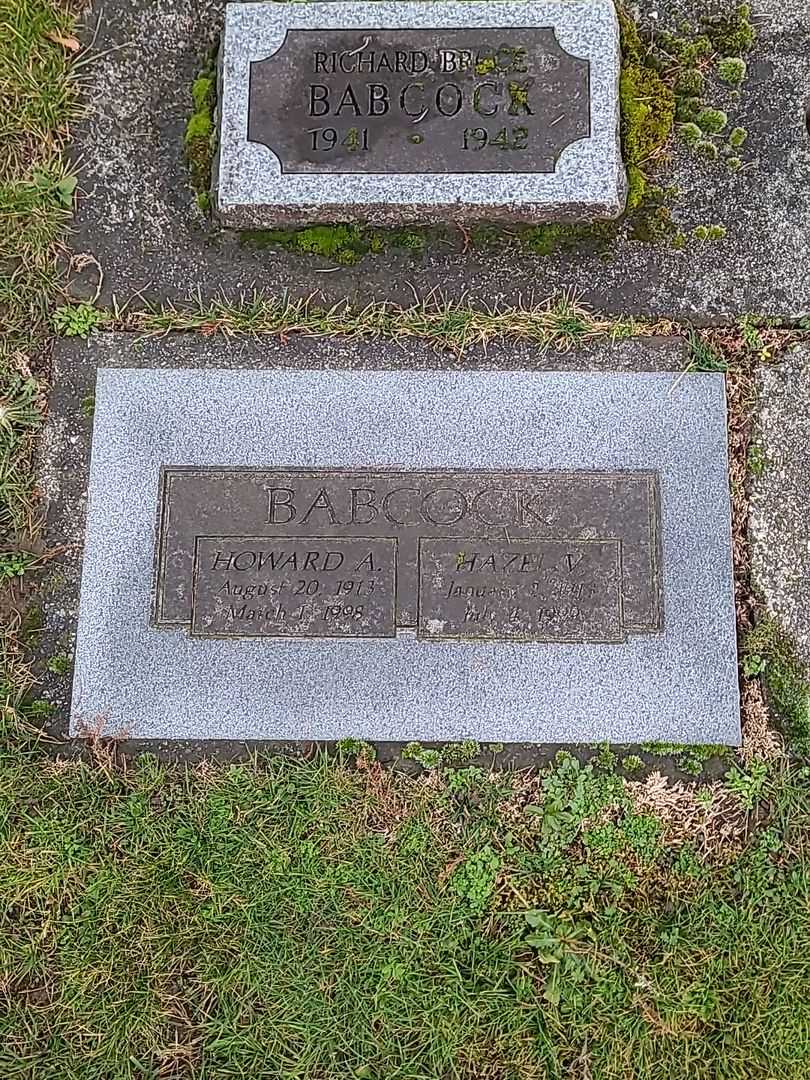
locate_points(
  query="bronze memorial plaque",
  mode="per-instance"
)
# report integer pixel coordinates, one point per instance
(419, 101)
(518, 556)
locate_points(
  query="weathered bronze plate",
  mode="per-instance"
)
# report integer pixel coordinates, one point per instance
(419, 101)
(294, 586)
(521, 590)
(514, 511)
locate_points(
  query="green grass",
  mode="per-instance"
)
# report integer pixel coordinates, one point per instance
(313, 920)
(36, 195)
(36, 198)
(560, 323)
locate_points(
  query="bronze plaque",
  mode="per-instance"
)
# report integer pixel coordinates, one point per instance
(202, 511)
(419, 101)
(294, 586)
(520, 590)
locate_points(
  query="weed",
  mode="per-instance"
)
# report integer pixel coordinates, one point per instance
(756, 460)
(748, 785)
(632, 763)
(14, 564)
(79, 320)
(703, 356)
(363, 752)
(474, 880)
(737, 137)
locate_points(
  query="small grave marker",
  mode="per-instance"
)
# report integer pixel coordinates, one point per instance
(387, 111)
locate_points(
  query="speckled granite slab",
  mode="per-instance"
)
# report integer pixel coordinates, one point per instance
(475, 456)
(387, 112)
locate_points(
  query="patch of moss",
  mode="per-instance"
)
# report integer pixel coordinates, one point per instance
(411, 239)
(732, 34)
(648, 112)
(731, 70)
(768, 651)
(343, 244)
(712, 121)
(706, 149)
(690, 83)
(551, 237)
(690, 133)
(198, 140)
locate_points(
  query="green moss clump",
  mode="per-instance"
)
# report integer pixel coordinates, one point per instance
(690, 83)
(202, 93)
(338, 242)
(730, 35)
(648, 113)
(648, 116)
(686, 52)
(737, 137)
(410, 239)
(712, 121)
(652, 223)
(552, 237)
(734, 164)
(198, 141)
(690, 133)
(731, 70)
(343, 244)
(707, 149)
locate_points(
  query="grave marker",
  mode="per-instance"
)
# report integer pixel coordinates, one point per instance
(387, 111)
(513, 556)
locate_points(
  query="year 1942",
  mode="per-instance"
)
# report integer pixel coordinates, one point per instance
(478, 138)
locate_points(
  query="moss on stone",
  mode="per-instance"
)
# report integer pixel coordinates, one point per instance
(731, 70)
(733, 34)
(549, 238)
(198, 140)
(343, 244)
(690, 83)
(712, 121)
(690, 133)
(648, 112)
(202, 93)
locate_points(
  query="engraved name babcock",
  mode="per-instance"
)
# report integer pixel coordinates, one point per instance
(519, 555)
(419, 101)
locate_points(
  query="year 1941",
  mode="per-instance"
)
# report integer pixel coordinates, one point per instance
(329, 138)
(478, 138)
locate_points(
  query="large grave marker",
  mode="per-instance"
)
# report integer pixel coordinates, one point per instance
(383, 111)
(512, 556)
